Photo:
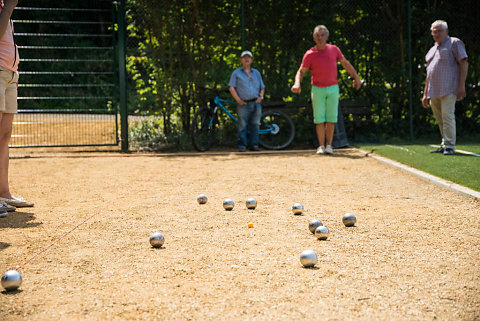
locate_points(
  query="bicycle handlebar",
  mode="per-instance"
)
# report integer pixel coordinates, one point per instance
(215, 90)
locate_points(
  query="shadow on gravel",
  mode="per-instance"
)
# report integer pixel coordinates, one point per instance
(18, 220)
(4, 245)
(4, 292)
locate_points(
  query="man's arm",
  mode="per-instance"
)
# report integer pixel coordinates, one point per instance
(461, 93)
(296, 88)
(7, 10)
(235, 96)
(260, 95)
(425, 94)
(352, 72)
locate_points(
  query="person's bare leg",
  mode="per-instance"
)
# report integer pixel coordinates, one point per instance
(320, 128)
(330, 129)
(6, 120)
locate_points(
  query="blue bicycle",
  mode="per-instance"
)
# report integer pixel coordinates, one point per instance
(276, 128)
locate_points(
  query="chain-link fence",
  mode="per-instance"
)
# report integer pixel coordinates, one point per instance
(67, 86)
(175, 48)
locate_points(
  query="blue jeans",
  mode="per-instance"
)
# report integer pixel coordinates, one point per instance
(248, 123)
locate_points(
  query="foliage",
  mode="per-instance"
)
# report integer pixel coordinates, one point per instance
(146, 135)
(176, 48)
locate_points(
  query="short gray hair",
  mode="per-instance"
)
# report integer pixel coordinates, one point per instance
(321, 27)
(439, 23)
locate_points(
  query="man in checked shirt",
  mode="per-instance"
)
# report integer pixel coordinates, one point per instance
(447, 67)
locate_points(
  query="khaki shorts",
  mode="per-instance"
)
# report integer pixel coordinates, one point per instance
(8, 91)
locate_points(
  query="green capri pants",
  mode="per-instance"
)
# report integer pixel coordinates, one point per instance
(325, 104)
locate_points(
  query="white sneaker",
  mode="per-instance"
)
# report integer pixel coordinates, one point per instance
(329, 149)
(321, 150)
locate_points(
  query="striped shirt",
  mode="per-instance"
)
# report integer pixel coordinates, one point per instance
(443, 68)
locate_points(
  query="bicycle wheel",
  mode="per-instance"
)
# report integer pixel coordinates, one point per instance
(202, 130)
(276, 130)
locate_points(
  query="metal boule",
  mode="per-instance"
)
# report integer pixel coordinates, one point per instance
(308, 258)
(11, 280)
(251, 203)
(312, 226)
(297, 209)
(349, 220)
(202, 199)
(228, 204)
(157, 239)
(321, 233)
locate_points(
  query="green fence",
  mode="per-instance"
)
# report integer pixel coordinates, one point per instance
(175, 48)
(67, 91)
(70, 74)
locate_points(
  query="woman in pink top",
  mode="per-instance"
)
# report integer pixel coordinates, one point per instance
(8, 101)
(322, 61)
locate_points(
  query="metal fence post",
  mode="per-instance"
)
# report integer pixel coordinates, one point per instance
(242, 9)
(122, 75)
(410, 76)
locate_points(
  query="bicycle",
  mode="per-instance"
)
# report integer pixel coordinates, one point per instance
(276, 128)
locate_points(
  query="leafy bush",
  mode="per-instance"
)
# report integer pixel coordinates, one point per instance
(147, 135)
(179, 47)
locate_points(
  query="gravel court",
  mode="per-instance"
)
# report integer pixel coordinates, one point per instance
(412, 256)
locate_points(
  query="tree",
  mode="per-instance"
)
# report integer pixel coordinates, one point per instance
(180, 46)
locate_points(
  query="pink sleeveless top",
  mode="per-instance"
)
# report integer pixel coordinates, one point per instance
(8, 50)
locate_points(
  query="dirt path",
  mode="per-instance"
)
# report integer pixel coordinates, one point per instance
(414, 254)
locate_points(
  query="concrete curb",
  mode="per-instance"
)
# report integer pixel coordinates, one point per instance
(427, 177)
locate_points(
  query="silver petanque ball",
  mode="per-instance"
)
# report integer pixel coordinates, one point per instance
(349, 220)
(297, 208)
(308, 258)
(312, 226)
(157, 239)
(202, 199)
(321, 233)
(11, 280)
(228, 204)
(251, 203)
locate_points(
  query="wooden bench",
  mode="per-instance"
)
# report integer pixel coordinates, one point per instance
(304, 109)
(290, 107)
(356, 112)
(360, 109)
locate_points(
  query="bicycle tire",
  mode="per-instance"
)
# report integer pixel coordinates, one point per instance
(277, 130)
(202, 129)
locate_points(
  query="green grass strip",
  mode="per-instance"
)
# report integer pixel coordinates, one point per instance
(459, 168)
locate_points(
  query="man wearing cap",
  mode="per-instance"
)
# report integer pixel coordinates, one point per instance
(247, 88)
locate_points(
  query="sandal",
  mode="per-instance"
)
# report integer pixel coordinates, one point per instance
(16, 201)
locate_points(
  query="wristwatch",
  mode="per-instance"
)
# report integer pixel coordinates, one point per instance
(261, 97)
